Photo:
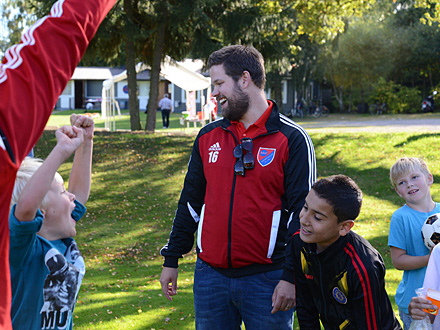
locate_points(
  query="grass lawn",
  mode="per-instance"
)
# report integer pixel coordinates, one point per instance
(60, 118)
(136, 182)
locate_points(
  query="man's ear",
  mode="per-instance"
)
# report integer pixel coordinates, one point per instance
(345, 227)
(245, 79)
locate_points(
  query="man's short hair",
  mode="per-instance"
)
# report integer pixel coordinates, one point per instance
(166, 95)
(342, 193)
(236, 59)
(406, 165)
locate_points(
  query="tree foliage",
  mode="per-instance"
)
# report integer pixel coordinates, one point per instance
(17, 15)
(349, 44)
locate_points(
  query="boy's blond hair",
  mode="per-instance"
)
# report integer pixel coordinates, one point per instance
(27, 169)
(405, 165)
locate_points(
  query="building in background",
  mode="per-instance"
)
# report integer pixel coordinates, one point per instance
(87, 83)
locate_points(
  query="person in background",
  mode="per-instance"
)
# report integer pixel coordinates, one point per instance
(166, 106)
(32, 76)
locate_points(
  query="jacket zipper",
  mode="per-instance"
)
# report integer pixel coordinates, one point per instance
(231, 204)
(321, 285)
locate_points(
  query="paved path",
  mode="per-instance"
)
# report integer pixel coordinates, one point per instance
(377, 123)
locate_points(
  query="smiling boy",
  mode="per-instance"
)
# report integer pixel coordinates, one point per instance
(339, 276)
(42, 223)
(412, 181)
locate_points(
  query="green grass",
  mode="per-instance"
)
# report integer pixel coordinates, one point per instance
(60, 118)
(136, 182)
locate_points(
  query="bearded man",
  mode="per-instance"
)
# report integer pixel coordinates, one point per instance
(247, 179)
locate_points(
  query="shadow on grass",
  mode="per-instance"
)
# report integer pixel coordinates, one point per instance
(416, 138)
(133, 299)
(136, 182)
(378, 154)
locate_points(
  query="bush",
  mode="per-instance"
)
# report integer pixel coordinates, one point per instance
(408, 100)
(399, 99)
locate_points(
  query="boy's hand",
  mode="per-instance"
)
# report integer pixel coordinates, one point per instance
(283, 297)
(84, 122)
(417, 305)
(69, 138)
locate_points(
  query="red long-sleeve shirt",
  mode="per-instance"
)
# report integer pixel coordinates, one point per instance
(32, 76)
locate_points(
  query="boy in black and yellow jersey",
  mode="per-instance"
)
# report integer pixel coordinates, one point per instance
(339, 276)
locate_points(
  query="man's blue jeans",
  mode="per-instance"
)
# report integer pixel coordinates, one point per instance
(223, 303)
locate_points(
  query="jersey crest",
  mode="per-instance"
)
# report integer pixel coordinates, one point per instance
(265, 156)
(339, 296)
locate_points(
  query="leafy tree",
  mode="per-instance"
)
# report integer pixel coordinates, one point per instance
(167, 27)
(291, 34)
(417, 47)
(16, 16)
(432, 15)
(358, 58)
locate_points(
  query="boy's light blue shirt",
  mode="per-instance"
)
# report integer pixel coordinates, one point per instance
(405, 233)
(45, 275)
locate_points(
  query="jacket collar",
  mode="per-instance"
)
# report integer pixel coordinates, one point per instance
(272, 125)
(331, 251)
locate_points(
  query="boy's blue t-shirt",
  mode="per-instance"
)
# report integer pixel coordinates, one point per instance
(45, 275)
(405, 233)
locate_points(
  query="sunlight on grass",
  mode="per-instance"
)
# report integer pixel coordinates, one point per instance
(136, 182)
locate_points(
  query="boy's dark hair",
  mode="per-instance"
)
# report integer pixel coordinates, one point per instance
(342, 193)
(236, 59)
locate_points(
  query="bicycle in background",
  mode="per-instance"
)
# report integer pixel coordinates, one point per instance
(317, 109)
(296, 112)
(300, 110)
(321, 111)
(314, 109)
(378, 109)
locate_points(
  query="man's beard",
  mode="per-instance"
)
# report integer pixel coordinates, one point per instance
(238, 105)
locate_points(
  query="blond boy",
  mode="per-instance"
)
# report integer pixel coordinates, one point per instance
(46, 265)
(412, 181)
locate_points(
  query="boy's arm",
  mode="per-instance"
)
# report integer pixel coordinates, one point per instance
(370, 305)
(403, 261)
(306, 311)
(68, 140)
(80, 175)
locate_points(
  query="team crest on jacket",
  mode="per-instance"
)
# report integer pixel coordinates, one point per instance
(339, 296)
(265, 156)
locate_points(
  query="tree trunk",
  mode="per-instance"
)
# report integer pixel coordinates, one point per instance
(133, 101)
(154, 77)
(277, 91)
(350, 100)
(339, 95)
